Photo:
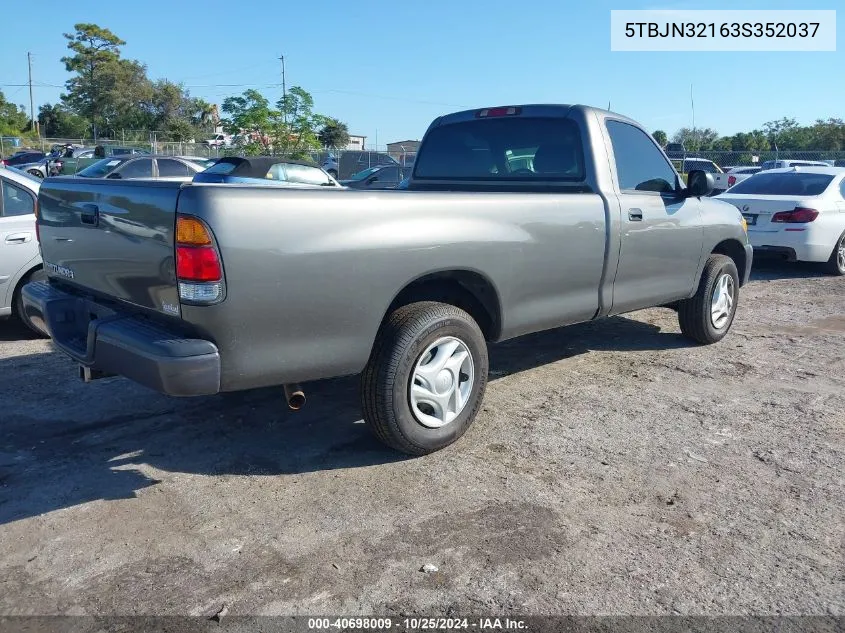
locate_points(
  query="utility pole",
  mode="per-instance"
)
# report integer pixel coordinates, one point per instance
(31, 101)
(284, 93)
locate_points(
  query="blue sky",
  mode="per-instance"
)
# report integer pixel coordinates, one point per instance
(389, 68)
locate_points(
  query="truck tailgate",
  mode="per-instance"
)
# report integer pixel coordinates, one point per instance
(112, 237)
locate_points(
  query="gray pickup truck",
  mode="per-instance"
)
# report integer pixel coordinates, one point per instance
(516, 219)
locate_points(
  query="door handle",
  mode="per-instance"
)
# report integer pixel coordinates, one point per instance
(635, 215)
(18, 238)
(90, 214)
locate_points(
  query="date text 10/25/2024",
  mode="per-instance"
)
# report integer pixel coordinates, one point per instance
(416, 624)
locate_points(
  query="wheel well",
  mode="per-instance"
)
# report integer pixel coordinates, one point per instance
(464, 289)
(734, 250)
(22, 280)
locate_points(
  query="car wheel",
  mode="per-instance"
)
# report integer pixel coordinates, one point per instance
(426, 377)
(35, 172)
(17, 302)
(332, 173)
(707, 316)
(836, 264)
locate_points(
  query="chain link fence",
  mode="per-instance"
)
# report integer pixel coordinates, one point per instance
(727, 159)
(340, 163)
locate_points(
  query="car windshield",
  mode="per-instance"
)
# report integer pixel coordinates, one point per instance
(361, 175)
(480, 149)
(100, 168)
(784, 184)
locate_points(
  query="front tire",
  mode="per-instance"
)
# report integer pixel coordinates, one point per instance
(707, 316)
(35, 172)
(426, 377)
(836, 264)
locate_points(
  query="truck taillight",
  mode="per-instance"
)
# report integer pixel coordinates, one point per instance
(198, 268)
(799, 215)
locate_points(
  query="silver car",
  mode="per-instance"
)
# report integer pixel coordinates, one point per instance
(20, 259)
(131, 167)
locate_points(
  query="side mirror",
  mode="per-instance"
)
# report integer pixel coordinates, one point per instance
(699, 184)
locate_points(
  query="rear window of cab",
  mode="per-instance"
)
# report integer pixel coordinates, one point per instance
(503, 149)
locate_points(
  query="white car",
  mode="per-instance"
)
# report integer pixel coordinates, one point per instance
(738, 174)
(781, 164)
(20, 258)
(219, 140)
(798, 213)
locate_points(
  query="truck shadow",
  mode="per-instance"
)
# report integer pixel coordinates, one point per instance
(63, 443)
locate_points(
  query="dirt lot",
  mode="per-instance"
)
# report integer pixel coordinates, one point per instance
(613, 469)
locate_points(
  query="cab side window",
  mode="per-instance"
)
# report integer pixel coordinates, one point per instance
(640, 165)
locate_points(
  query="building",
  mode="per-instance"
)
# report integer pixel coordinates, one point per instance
(356, 142)
(402, 147)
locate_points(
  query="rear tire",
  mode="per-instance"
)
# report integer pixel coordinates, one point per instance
(707, 316)
(424, 349)
(836, 264)
(17, 302)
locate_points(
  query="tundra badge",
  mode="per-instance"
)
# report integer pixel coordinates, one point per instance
(64, 271)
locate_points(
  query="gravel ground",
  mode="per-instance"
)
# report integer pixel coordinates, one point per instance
(614, 469)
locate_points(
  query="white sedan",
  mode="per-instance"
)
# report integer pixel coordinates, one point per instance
(798, 212)
(20, 259)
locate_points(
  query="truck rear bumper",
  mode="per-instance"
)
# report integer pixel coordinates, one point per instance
(105, 340)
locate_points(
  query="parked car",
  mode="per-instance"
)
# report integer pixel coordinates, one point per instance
(20, 260)
(131, 167)
(38, 169)
(738, 174)
(781, 164)
(199, 160)
(23, 158)
(68, 161)
(89, 156)
(381, 177)
(352, 162)
(219, 140)
(797, 213)
(720, 180)
(267, 170)
(255, 285)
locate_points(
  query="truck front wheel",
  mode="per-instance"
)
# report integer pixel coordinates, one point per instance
(426, 377)
(707, 316)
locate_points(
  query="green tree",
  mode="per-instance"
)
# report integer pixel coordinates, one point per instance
(56, 122)
(828, 135)
(94, 60)
(661, 137)
(13, 118)
(697, 139)
(335, 134)
(251, 117)
(298, 131)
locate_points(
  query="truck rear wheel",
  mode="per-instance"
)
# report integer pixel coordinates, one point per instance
(426, 377)
(707, 316)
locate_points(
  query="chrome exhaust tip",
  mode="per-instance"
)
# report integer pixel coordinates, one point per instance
(295, 396)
